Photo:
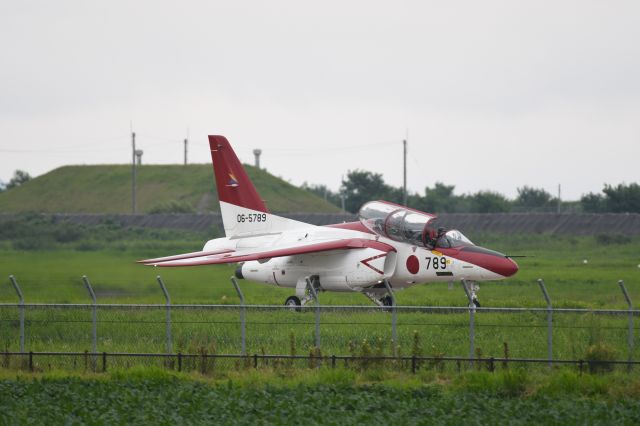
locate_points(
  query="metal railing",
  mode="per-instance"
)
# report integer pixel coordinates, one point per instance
(215, 363)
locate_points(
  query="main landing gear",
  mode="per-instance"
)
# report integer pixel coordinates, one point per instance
(306, 291)
(380, 294)
(293, 302)
(378, 298)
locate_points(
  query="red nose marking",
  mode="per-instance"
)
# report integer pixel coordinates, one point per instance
(487, 259)
(500, 265)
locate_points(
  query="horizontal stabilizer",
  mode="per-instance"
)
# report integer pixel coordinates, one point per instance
(243, 256)
(185, 256)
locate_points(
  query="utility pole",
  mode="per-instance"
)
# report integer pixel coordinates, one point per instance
(342, 195)
(559, 202)
(185, 151)
(404, 164)
(133, 173)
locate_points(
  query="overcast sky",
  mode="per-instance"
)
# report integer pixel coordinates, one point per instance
(493, 94)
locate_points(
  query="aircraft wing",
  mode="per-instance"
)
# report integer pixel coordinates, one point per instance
(227, 256)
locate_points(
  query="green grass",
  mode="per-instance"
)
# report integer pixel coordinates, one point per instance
(318, 397)
(232, 391)
(55, 277)
(107, 189)
(217, 331)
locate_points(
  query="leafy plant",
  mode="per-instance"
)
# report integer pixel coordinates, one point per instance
(598, 357)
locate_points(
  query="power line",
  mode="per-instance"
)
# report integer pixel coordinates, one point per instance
(331, 148)
(74, 148)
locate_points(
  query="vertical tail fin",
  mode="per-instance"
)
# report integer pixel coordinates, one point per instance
(243, 211)
(234, 186)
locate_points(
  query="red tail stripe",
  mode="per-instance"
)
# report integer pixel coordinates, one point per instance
(233, 184)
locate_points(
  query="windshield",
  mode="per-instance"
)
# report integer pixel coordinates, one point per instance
(453, 238)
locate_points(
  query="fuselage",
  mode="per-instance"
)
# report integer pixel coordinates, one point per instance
(357, 270)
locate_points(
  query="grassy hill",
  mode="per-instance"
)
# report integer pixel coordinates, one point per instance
(107, 189)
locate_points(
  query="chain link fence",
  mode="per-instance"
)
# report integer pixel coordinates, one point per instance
(225, 335)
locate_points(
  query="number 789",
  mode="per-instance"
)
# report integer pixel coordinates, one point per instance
(436, 262)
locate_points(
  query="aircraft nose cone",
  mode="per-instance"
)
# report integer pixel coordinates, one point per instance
(500, 264)
(491, 260)
(509, 267)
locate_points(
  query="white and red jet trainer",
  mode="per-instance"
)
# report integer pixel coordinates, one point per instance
(389, 242)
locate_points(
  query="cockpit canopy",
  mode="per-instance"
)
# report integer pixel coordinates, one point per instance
(407, 225)
(452, 238)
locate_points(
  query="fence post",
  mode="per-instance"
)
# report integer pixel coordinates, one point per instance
(21, 298)
(243, 322)
(94, 319)
(312, 290)
(472, 312)
(630, 336)
(549, 321)
(168, 303)
(394, 341)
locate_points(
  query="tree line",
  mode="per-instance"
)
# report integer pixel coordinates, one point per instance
(360, 186)
(19, 177)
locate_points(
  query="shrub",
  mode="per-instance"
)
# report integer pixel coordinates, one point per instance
(172, 206)
(67, 233)
(609, 239)
(88, 246)
(598, 357)
(511, 383)
(33, 242)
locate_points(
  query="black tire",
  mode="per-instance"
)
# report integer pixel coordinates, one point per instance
(387, 301)
(294, 303)
(476, 302)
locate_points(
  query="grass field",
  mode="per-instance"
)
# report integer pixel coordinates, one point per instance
(234, 393)
(107, 189)
(318, 397)
(54, 276)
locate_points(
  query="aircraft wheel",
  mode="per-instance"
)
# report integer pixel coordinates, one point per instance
(476, 302)
(387, 301)
(294, 303)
